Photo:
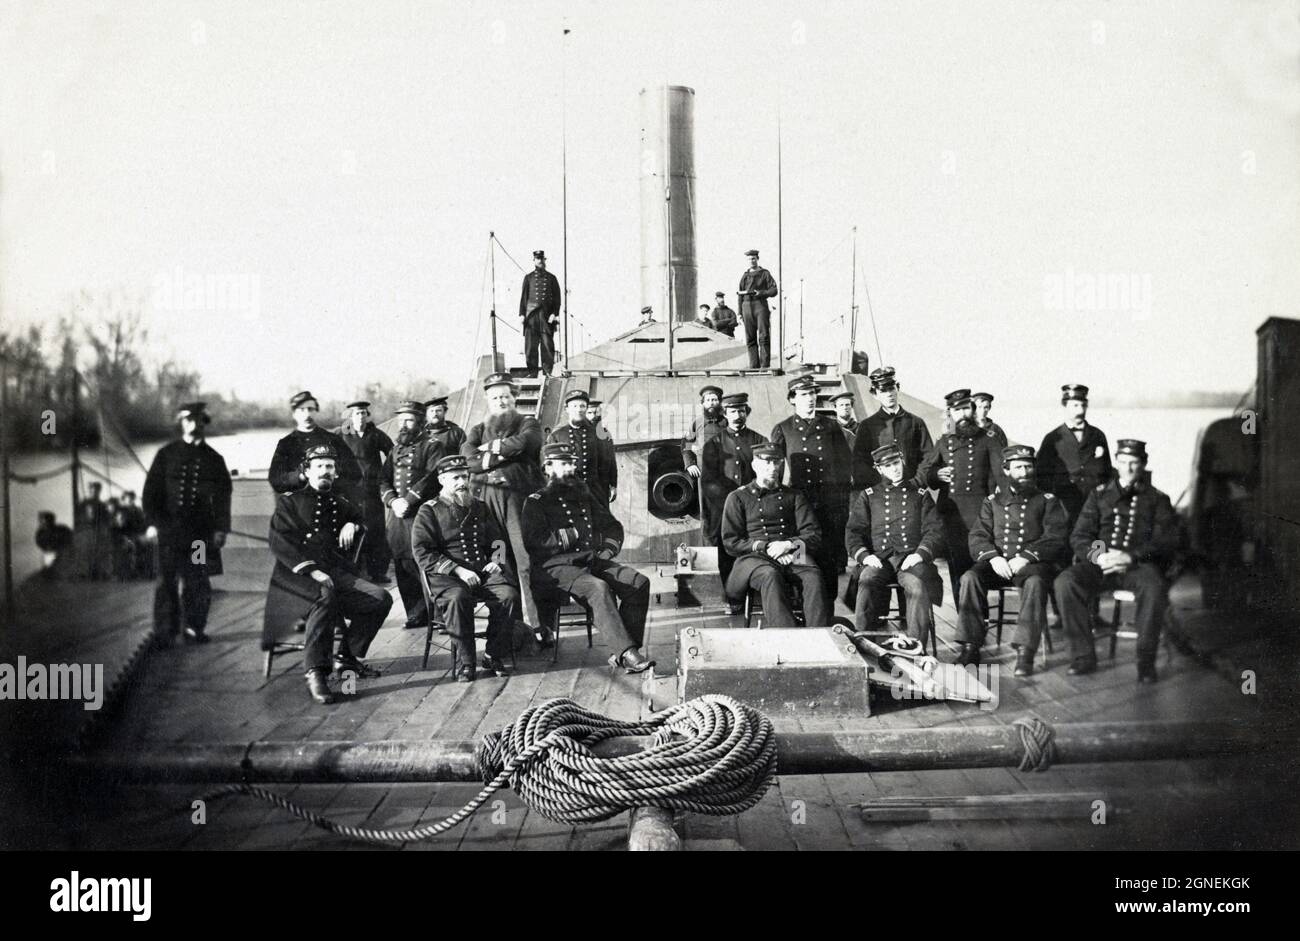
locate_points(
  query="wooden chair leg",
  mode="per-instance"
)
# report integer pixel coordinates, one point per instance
(1002, 603)
(1115, 623)
(266, 666)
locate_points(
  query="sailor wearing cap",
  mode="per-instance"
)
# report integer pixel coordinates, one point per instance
(842, 402)
(765, 524)
(819, 465)
(1075, 456)
(313, 533)
(606, 443)
(572, 539)
(504, 452)
(1018, 540)
(647, 316)
(287, 472)
(756, 286)
(1128, 535)
(406, 481)
(448, 435)
(965, 466)
(703, 427)
(893, 535)
(983, 405)
(724, 318)
(539, 308)
(187, 509)
(461, 549)
(726, 464)
(890, 424)
(369, 445)
(579, 436)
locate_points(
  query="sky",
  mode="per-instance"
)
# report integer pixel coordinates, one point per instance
(1104, 193)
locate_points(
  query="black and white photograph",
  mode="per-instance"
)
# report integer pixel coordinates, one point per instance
(743, 426)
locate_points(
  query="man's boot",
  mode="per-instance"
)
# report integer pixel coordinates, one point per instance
(319, 688)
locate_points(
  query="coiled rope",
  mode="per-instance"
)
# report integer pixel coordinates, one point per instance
(711, 755)
(1039, 741)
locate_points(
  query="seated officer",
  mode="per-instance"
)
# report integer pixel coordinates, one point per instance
(894, 533)
(726, 464)
(1017, 539)
(312, 534)
(1127, 535)
(765, 525)
(453, 541)
(572, 539)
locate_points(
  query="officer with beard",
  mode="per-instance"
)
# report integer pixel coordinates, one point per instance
(286, 474)
(369, 446)
(1017, 541)
(456, 542)
(964, 466)
(727, 465)
(579, 436)
(704, 426)
(407, 481)
(441, 429)
(572, 539)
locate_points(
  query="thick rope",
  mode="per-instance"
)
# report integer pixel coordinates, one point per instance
(1039, 741)
(711, 755)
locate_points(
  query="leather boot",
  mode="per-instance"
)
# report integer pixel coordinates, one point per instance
(632, 661)
(319, 688)
(970, 653)
(1147, 673)
(1082, 666)
(1025, 663)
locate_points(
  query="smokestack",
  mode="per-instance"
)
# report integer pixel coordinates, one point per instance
(668, 201)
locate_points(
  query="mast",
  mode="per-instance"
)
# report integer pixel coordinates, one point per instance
(76, 428)
(668, 225)
(780, 274)
(492, 256)
(853, 296)
(564, 187)
(801, 353)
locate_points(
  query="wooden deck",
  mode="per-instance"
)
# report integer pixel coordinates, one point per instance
(217, 693)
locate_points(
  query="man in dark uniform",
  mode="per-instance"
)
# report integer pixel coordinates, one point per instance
(765, 526)
(819, 464)
(983, 405)
(724, 318)
(1075, 456)
(461, 550)
(539, 308)
(894, 534)
(890, 424)
(504, 453)
(286, 474)
(406, 481)
(187, 507)
(842, 402)
(572, 540)
(756, 286)
(92, 534)
(726, 464)
(312, 533)
(606, 444)
(578, 435)
(440, 429)
(965, 466)
(133, 526)
(1018, 540)
(1127, 534)
(703, 427)
(369, 446)
(55, 542)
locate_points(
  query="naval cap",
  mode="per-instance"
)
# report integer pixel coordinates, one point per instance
(752, 253)
(844, 394)
(882, 378)
(1017, 452)
(557, 452)
(958, 398)
(436, 400)
(1075, 391)
(768, 452)
(195, 410)
(1132, 447)
(450, 463)
(719, 294)
(577, 395)
(886, 453)
(358, 405)
(715, 390)
(322, 452)
(410, 408)
(799, 384)
(499, 379)
(540, 255)
(595, 403)
(982, 397)
(302, 397)
(647, 309)
(736, 400)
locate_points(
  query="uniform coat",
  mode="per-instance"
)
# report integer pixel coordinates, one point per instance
(539, 303)
(702, 429)
(724, 320)
(286, 465)
(880, 428)
(726, 464)
(976, 463)
(591, 458)
(819, 464)
(408, 474)
(1071, 468)
(370, 447)
(755, 314)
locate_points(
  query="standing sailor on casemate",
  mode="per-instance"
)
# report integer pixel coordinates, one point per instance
(893, 535)
(606, 444)
(766, 526)
(890, 424)
(572, 539)
(983, 405)
(539, 309)
(369, 446)
(964, 466)
(647, 316)
(842, 402)
(312, 534)
(461, 550)
(818, 464)
(1018, 542)
(1075, 457)
(726, 464)
(1128, 535)
(187, 509)
(724, 318)
(756, 286)
(441, 430)
(504, 453)
(407, 481)
(580, 438)
(703, 427)
(287, 468)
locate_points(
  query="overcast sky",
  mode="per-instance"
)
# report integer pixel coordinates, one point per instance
(344, 163)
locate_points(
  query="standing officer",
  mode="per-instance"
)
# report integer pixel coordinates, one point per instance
(765, 524)
(187, 508)
(287, 472)
(983, 405)
(312, 534)
(1074, 458)
(406, 482)
(965, 467)
(455, 541)
(894, 534)
(369, 446)
(504, 453)
(703, 427)
(572, 539)
(819, 466)
(579, 437)
(890, 424)
(842, 402)
(1127, 535)
(724, 318)
(1017, 541)
(539, 308)
(726, 464)
(756, 286)
(606, 444)
(440, 429)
